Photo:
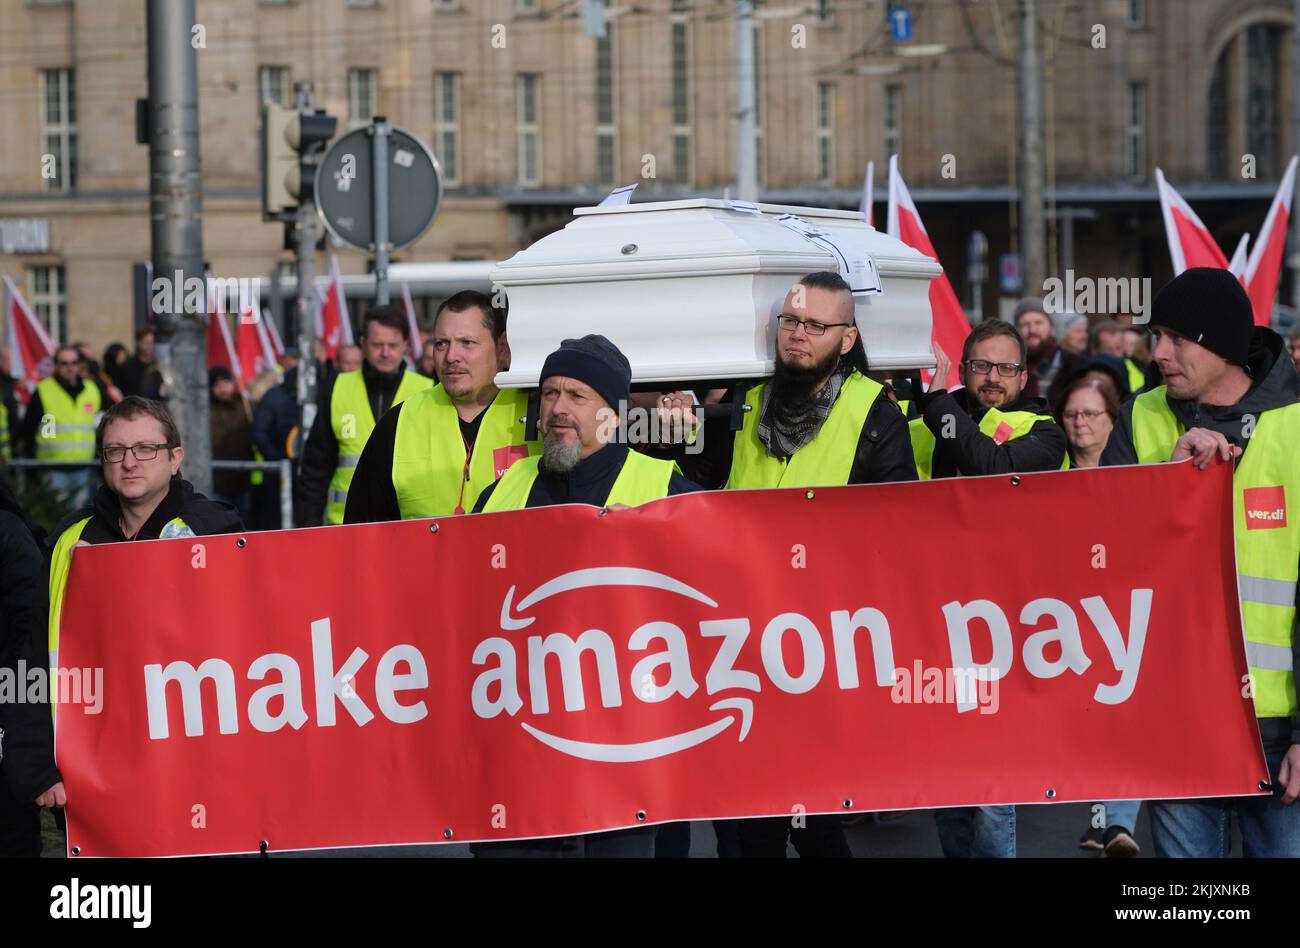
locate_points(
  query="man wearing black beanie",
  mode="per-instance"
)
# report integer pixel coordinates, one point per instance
(584, 385)
(1231, 391)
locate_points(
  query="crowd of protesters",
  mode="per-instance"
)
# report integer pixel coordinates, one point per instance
(401, 434)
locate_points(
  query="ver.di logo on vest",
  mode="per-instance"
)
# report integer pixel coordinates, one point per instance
(1265, 507)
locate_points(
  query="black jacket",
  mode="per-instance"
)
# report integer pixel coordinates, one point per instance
(320, 456)
(27, 749)
(970, 452)
(205, 517)
(588, 483)
(884, 451)
(275, 417)
(1277, 385)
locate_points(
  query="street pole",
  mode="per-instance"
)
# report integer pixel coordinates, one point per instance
(1295, 147)
(305, 230)
(176, 223)
(1029, 80)
(379, 150)
(746, 143)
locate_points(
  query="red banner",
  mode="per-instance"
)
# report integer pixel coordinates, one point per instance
(1070, 636)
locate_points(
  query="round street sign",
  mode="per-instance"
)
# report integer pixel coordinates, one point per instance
(345, 183)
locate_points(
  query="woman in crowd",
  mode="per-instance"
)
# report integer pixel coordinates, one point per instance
(1087, 411)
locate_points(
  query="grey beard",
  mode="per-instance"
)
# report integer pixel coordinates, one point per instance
(559, 457)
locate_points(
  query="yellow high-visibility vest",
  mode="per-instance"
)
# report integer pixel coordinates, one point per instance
(1267, 536)
(71, 436)
(1020, 423)
(826, 461)
(431, 476)
(641, 480)
(353, 421)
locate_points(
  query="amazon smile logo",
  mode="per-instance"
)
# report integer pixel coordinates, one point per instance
(496, 690)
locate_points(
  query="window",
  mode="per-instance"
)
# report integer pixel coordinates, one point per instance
(528, 150)
(361, 95)
(1135, 132)
(527, 7)
(1264, 87)
(825, 133)
(273, 84)
(893, 120)
(606, 99)
(1137, 13)
(681, 100)
(446, 125)
(59, 129)
(825, 13)
(446, 6)
(47, 292)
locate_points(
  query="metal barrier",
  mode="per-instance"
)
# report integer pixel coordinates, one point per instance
(285, 468)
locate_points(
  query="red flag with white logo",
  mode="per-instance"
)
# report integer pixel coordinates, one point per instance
(31, 350)
(950, 325)
(1264, 269)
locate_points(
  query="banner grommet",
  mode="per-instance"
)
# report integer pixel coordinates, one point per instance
(447, 833)
(640, 816)
(1051, 793)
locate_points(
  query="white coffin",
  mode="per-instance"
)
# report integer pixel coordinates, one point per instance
(690, 290)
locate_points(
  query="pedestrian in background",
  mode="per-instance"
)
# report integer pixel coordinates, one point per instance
(28, 777)
(232, 439)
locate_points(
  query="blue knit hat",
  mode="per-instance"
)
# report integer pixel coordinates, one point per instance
(595, 361)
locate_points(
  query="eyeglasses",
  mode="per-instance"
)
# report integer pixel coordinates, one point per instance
(810, 326)
(1089, 415)
(115, 453)
(66, 362)
(985, 367)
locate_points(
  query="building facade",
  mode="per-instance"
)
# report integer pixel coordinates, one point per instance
(530, 115)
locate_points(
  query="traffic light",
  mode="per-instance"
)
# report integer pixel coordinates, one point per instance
(291, 141)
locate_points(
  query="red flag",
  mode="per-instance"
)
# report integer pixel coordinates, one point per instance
(1190, 242)
(1264, 270)
(253, 347)
(221, 348)
(31, 351)
(416, 346)
(336, 325)
(949, 323)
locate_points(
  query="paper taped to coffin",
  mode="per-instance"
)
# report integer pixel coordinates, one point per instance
(690, 290)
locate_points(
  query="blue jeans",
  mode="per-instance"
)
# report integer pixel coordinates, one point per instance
(1122, 813)
(1200, 828)
(76, 484)
(979, 832)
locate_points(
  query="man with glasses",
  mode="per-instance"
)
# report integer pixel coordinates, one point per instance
(60, 423)
(819, 421)
(987, 427)
(143, 496)
(990, 426)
